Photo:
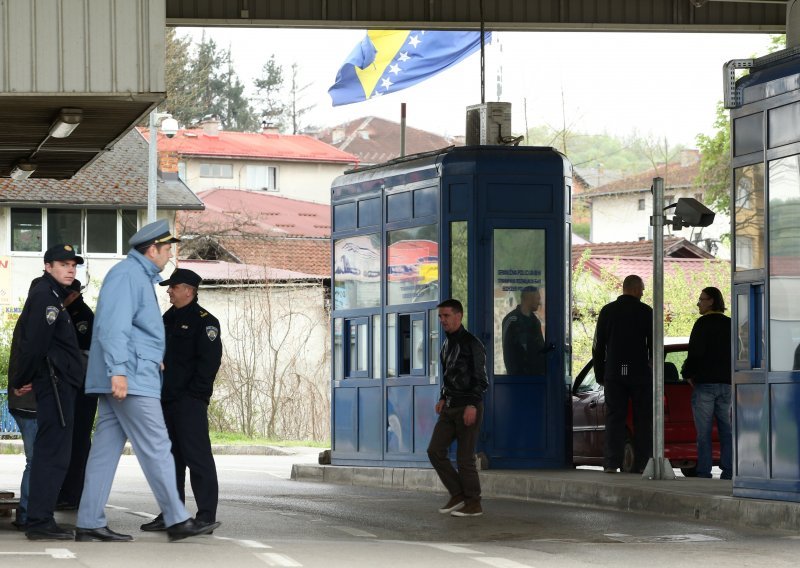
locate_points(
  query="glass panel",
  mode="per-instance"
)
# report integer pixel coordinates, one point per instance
(353, 340)
(398, 206)
(391, 345)
(784, 125)
(519, 300)
(412, 261)
(404, 363)
(363, 347)
(426, 201)
(748, 135)
(357, 272)
(64, 226)
(376, 346)
(130, 224)
(418, 344)
(749, 216)
(101, 231)
(344, 216)
(338, 354)
(369, 212)
(26, 230)
(459, 266)
(433, 343)
(743, 329)
(784, 262)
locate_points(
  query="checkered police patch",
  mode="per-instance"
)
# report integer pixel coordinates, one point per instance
(50, 314)
(212, 332)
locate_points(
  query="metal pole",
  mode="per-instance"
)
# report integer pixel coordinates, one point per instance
(402, 129)
(657, 466)
(152, 187)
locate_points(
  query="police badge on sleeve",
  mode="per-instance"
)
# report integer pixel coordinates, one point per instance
(212, 332)
(50, 314)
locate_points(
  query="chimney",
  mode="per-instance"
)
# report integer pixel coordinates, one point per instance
(269, 128)
(168, 162)
(211, 127)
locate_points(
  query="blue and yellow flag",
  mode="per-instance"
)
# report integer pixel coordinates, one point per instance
(388, 61)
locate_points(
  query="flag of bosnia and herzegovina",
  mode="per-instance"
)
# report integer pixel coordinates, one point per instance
(388, 61)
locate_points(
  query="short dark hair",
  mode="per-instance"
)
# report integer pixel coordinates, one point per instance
(632, 281)
(141, 249)
(717, 301)
(529, 290)
(453, 304)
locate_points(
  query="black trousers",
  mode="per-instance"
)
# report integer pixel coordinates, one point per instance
(449, 427)
(51, 449)
(187, 425)
(85, 411)
(618, 391)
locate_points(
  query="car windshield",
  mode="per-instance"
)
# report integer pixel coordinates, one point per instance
(673, 357)
(589, 383)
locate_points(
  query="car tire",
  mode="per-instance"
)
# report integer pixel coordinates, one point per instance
(628, 456)
(689, 471)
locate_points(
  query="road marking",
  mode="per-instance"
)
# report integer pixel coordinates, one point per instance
(354, 532)
(143, 514)
(454, 548)
(58, 553)
(664, 539)
(501, 562)
(275, 559)
(251, 544)
(116, 508)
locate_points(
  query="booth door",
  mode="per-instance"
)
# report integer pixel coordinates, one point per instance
(525, 340)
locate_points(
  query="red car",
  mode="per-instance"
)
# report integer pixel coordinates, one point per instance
(589, 416)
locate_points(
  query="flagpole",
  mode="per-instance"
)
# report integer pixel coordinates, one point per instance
(483, 58)
(402, 129)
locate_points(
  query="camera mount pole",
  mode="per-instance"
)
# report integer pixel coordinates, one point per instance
(658, 467)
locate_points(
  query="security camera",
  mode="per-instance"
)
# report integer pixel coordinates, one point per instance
(691, 213)
(169, 127)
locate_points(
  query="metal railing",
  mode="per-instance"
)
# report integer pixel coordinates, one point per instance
(8, 426)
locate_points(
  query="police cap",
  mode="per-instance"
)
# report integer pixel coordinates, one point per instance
(154, 233)
(182, 276)
(61, 252)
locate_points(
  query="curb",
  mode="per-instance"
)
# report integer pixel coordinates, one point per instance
(669, 498)
(15, 447)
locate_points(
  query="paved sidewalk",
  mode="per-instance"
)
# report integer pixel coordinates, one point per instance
(687, 498)
(14, 446)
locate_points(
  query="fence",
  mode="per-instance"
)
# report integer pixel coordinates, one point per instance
(8, 425)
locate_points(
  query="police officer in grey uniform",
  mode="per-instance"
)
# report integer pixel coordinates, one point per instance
(45, 358)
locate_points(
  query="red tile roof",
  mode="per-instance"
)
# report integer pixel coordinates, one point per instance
(259, 146)
(241, 212)
(620, 266)
(675, 176)
(310, 256)
(376, 140)
(674, 247)
(221, 271)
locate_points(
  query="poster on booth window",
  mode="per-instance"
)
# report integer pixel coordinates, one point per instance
(519, 302)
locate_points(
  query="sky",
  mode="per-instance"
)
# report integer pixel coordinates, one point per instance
(657, 85)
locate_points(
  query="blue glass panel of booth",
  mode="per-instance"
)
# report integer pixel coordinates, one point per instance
(459, 266)
(412, 265)
(358, 351)
(749, 216)
(357, 272)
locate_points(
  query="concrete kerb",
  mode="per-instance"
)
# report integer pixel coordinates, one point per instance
(14, 446)
(705, 500)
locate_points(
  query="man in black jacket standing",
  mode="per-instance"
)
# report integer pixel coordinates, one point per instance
(622, 353)
(191, 362)
(460, 410)
(46, 357)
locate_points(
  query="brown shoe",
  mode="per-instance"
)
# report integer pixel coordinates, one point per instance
(454, 504)
(469, 510)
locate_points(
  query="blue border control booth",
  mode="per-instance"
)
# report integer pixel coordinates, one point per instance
(765, 147)
(478, 224)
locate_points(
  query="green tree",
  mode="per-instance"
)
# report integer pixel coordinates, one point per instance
(181, 98)
(715, 163)
(269, 86)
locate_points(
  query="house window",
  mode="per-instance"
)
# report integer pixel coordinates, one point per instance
(216, 170)
(641, 205)
(26, 230)
(93, 231)
(182, 171)
(262, 177)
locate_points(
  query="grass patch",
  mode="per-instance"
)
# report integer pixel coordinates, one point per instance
(234, 439)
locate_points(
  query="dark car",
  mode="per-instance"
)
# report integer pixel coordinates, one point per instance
(589, 416)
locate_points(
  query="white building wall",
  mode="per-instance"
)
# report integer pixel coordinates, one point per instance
(308, 181)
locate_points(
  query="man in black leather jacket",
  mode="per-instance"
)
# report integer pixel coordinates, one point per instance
(460, 411)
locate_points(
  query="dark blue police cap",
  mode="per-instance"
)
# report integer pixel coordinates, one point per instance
(61, 252)
(156, 233)
(182, 276)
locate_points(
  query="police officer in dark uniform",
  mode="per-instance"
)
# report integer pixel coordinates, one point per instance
(191, 361)
(523, 342)
(85, 406)
(46, 356)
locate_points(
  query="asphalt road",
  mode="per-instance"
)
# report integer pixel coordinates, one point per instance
(269, 520)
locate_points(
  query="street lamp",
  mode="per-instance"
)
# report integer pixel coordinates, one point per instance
(688, 213)
(169, 126)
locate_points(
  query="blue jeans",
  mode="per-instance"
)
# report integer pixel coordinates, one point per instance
(27, 428)
(709, 401)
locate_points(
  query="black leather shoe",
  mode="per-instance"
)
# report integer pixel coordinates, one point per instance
(156, 524)
(103, 534)
(52, 532)
(190, 527)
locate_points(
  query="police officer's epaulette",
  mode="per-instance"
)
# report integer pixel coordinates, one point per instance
(203, 313)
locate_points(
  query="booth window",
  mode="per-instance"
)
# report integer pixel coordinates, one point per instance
(358, 345)
(357, 272)
(459, 266)
(338, 349)
(748, 134)
(369, 212)
(376, 346)
(412, 264)
(433, 343)
(519, 301)
(749, 214)
(411, 353)
(784, 263)
(391, 345)
(743, 330)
